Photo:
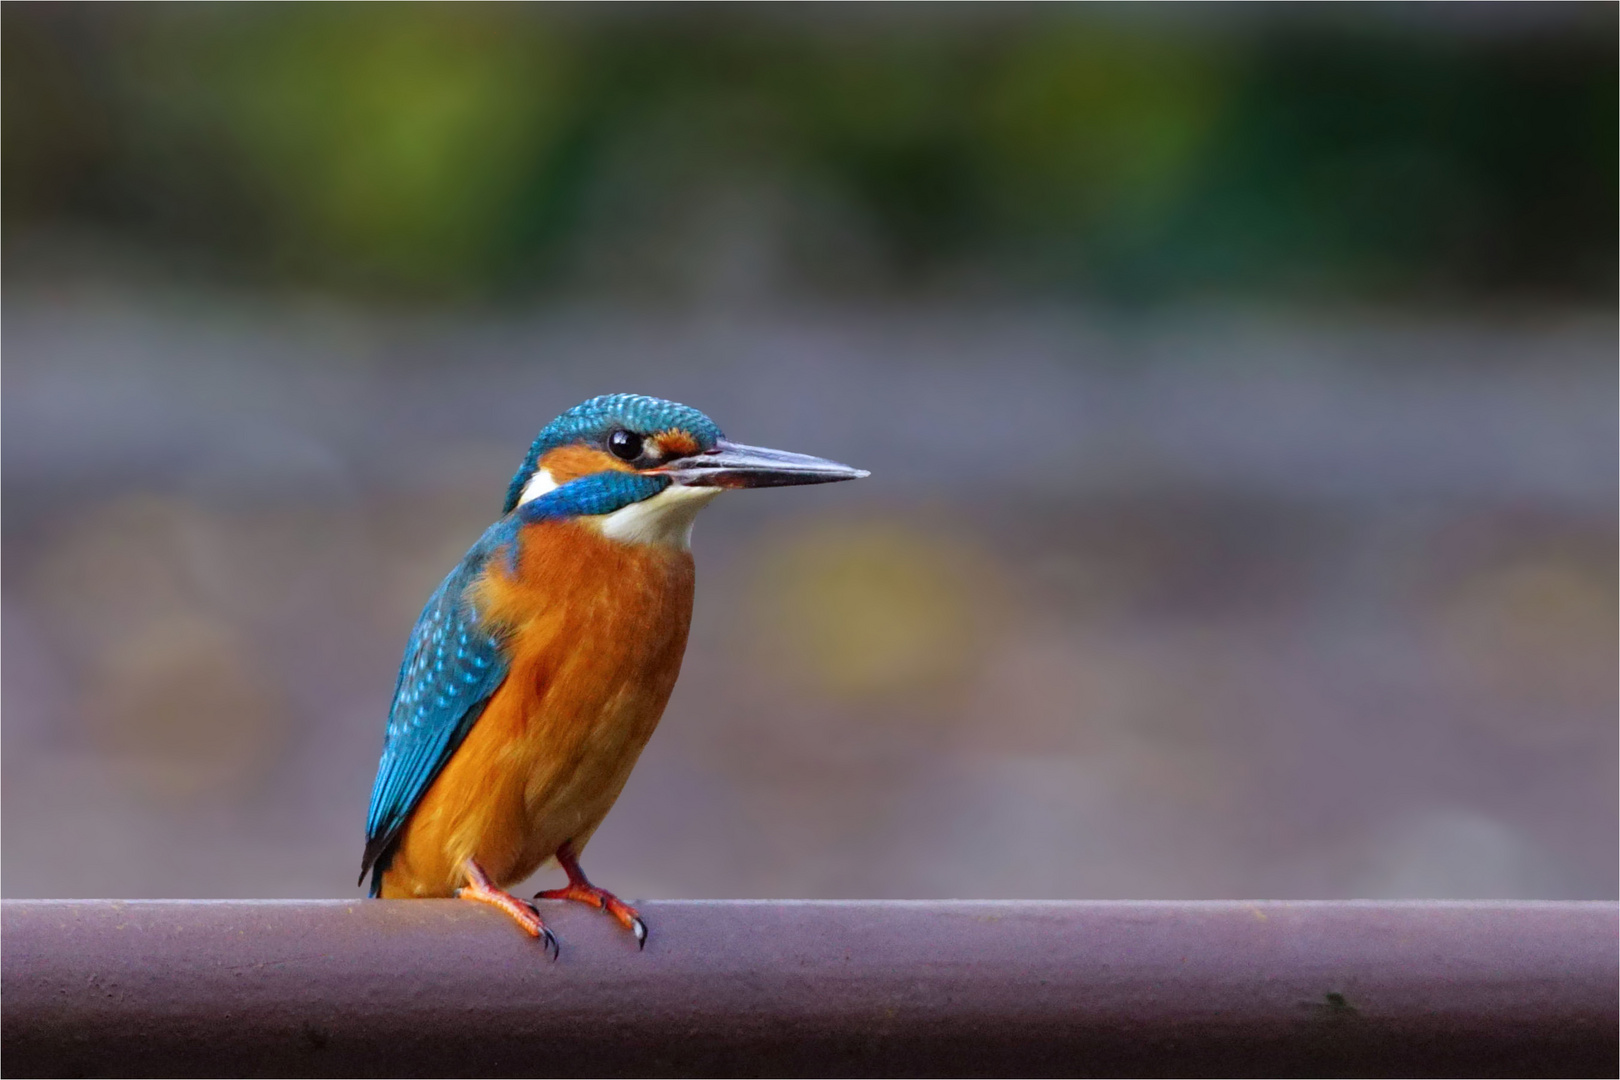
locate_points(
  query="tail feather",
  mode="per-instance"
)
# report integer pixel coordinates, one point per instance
(378, 854)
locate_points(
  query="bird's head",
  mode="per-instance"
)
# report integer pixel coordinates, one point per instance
(646, 466)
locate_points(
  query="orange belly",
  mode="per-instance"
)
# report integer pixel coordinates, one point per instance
(595, 634)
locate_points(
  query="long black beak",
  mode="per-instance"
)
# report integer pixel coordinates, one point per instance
(733, 465)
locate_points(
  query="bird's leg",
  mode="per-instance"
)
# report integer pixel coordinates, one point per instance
(480, 888)
(580, 889)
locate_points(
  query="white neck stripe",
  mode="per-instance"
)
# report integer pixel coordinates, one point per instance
(540, 483)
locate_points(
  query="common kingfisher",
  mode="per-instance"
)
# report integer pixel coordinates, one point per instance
(541, 664)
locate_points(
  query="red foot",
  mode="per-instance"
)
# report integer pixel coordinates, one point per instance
(481, 889)
(580, 890)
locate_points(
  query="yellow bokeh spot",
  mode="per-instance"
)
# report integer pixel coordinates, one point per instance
(1538, 630)
(863, 610)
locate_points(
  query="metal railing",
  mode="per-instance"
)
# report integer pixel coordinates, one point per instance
(444, 988)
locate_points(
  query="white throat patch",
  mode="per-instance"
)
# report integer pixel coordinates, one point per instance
(665, 519)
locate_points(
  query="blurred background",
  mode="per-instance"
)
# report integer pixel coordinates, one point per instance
(1238, 385)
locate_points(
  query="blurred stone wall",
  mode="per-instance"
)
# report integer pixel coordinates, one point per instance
(1199, 607)
(1237, 383)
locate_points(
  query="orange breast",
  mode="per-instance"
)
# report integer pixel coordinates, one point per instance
(596, 630)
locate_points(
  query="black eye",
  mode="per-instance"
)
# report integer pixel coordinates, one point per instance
(625, 445)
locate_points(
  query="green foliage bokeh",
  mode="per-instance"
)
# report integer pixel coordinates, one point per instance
(470, 149)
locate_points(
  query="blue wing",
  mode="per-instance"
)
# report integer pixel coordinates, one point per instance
(451, 668)
(453, 665)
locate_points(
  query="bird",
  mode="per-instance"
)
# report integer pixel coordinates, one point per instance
(540, 666)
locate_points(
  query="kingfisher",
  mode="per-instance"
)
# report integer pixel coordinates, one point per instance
(542, 663)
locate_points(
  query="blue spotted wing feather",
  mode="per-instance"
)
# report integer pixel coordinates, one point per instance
(453, 664)
(451, 668)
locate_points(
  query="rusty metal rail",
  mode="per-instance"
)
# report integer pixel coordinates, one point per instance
(330, 988)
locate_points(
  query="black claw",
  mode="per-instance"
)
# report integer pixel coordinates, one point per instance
(548, 940)
(639, 928)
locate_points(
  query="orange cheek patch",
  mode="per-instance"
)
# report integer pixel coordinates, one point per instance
(572, 462)
(676, 443)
